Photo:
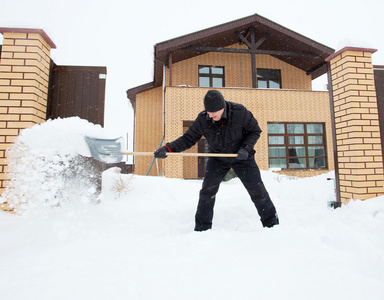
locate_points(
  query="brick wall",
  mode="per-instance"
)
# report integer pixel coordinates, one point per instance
(359, 152)
(184, 103)
(24, 76)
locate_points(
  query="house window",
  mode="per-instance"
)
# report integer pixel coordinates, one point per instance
(268, 79)
(211, 76)
(297, 146)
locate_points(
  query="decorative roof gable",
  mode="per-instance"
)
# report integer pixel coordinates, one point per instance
(261, 35)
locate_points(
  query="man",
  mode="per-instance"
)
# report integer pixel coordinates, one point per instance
(229, 128)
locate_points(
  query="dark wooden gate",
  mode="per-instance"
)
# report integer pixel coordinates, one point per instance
(77, 91)
(379, 83)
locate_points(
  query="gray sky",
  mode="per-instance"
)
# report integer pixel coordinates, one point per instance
(120, 34)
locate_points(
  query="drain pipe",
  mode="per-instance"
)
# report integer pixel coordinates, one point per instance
(162, 139)
(335, 154)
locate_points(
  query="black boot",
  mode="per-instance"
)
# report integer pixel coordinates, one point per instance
(272, 221)
(204, 213)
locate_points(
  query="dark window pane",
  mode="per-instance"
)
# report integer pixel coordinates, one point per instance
(268, 78)
(268, 73)
(297, 163)
(296, 151)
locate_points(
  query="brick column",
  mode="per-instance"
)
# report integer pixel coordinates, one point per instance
(358, 142)
(24, 76)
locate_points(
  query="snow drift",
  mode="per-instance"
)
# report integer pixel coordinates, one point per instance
(49, 166)
(137, 242)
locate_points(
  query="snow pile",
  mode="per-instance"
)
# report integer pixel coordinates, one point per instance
(61, 136)
(138, 243)
(48, 165)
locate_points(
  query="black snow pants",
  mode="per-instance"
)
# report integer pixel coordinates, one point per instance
(249, 174)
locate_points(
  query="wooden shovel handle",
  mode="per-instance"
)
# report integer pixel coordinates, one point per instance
(184, 154)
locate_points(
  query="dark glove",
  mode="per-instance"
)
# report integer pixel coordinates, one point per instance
(242, 154)
(161, 152)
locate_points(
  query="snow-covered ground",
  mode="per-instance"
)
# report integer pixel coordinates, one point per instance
(138, 241)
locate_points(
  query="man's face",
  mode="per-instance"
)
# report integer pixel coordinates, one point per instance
(216, 116)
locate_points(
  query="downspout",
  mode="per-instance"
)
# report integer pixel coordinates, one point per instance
(335, 154)
(162, 139)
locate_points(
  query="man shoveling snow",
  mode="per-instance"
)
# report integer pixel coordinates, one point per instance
(229, 128)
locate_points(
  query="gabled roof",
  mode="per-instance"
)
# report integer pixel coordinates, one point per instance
(278, 41)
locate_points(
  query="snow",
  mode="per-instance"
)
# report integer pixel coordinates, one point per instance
(137, 241)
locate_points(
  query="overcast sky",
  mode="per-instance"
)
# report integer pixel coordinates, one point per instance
(120, 34)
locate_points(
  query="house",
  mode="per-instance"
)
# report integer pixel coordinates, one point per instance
(252, 61)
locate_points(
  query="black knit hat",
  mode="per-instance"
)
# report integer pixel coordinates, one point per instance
(214, 101)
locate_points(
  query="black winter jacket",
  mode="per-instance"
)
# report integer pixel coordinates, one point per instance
(240, 130)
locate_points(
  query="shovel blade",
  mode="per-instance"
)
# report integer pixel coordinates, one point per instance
(105, 150)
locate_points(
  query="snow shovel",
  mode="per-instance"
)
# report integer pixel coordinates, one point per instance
(109, 151)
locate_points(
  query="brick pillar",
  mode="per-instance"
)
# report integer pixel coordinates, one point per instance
(24, 76)
(358, 142)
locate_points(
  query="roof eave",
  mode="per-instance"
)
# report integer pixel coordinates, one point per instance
(131, 93)
(162, 49)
